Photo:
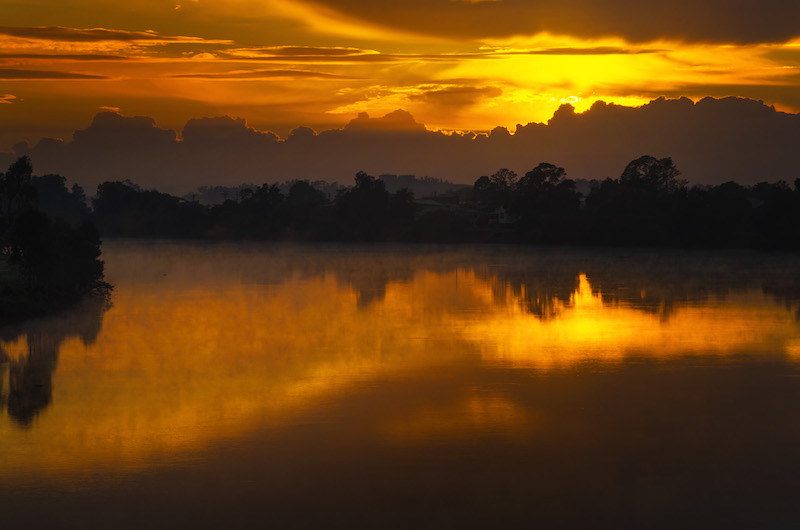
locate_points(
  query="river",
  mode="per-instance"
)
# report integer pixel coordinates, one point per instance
(331, 386)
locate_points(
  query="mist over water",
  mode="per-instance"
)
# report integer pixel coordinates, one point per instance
(244, 385)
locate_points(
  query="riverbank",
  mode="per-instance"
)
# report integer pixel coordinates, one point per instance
(21, 299)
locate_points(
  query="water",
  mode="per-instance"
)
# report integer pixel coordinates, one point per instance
(290, 386)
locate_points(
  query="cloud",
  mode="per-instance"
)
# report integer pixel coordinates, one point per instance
(456, 96)
(59, 43)
(220, 127)
(74, 34)
(264, 74)
(596, 50)
(7, 98)
(259, 55)
(61, 33)
(711, 141)
(633, 20)
(303, 51)
(359, 56)
(63, 57)
(396, 121)
(13, 73)
(111, 129)
(783, 90)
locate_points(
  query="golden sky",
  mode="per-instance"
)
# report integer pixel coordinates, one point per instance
(453, 64)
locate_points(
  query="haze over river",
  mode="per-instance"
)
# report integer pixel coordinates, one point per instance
(334, 386)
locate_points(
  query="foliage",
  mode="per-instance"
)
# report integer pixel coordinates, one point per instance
(646, 205)
(546, 205)
(369, 213)
(494, 191)
(52, 252)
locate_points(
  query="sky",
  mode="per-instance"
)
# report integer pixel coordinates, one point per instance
(454, 65)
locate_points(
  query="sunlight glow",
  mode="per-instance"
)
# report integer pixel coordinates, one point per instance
(445, 85)
(175, 368)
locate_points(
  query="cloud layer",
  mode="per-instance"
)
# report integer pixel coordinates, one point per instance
(633, 20)
(447, 81)
(711, 141)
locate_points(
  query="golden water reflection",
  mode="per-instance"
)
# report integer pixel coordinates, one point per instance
(196, 352)
(587, 327)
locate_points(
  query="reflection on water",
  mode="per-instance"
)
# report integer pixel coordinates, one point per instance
(227, 364)
(29, 355)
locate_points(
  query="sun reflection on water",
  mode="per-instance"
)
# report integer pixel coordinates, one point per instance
(179, 367)
(587, 328)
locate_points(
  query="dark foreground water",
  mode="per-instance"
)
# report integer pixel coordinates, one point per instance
(274, 386)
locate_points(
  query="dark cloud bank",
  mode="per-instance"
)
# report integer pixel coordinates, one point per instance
(635, 20)
(711, 141)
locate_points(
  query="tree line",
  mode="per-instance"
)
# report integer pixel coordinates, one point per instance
(647, 205)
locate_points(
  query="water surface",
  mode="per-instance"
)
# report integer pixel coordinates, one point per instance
(342, 386)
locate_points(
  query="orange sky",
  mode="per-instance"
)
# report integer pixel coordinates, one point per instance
(454, 64)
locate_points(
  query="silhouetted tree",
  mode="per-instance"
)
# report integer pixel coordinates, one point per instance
(543, 174)
(649, 173)
(55, 200)
(503, 179)
(718, 216)
(16, 189)
(401, 209)
(260, 215)
(54, 261)
(777, 216)
(546, 205)
(308, 209)
(646, 205)
(490, 194)
(364, 208)
(124, 209)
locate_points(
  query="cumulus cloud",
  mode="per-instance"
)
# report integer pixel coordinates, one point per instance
(109, 129)
(396, 121)
(711, 141)
(225, 132)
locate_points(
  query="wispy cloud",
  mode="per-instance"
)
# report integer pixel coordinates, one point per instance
(264, 74)
(596, 50)
(296, 54)
(302, 51)
(63, 57)
(7, 98)
(454, 96)
(61, 33)
(13, 73)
